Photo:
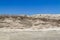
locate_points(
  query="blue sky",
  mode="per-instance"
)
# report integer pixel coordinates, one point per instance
(29, 7)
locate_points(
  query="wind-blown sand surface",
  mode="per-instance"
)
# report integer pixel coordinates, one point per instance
(30, 35)
(35, 27)
(30, 22)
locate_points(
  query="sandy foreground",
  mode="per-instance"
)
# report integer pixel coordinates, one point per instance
(15, 34)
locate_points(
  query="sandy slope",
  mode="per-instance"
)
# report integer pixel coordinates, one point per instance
(35, 27)
(35, 22)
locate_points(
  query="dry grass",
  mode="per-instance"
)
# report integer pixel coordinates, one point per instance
(22, 22)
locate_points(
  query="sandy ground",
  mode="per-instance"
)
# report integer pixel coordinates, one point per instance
(38, 27)
(30, 35)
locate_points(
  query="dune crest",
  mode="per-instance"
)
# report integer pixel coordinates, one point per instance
(39, 21)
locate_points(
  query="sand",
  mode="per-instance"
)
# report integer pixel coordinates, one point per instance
(35, 27)
(30, 35)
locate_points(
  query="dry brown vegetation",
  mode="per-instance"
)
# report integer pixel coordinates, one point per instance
(22, 22)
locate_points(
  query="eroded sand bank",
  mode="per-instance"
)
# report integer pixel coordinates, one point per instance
(35, 27)
(41, 21)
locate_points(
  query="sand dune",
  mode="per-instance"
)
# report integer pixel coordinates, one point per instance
(35, 27)
(39, 21)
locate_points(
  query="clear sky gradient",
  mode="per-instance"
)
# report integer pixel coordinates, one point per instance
(29, 7)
